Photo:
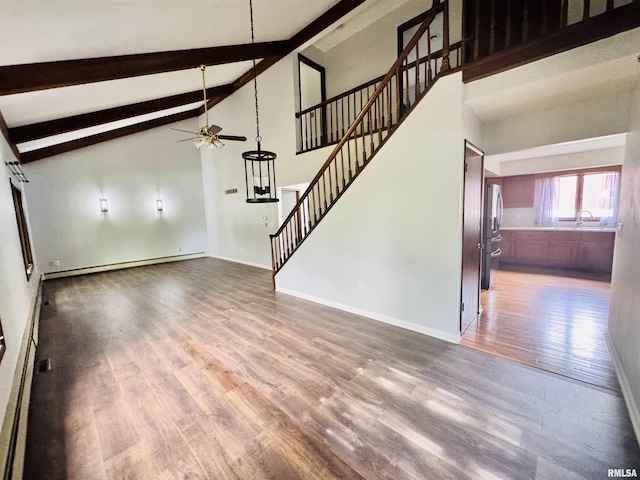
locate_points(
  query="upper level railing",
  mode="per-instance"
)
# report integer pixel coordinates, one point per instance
(408, 80)
(502, 34)
(325, 123)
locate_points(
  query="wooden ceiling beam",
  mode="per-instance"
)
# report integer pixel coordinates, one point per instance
(35, 131)
(5, 133)
(46, 152)
(40, 76)
(325, 20)
(270, 53)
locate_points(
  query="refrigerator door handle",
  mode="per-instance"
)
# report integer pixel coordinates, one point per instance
(500, 208)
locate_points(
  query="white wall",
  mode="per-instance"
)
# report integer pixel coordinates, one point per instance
(131, 173)
(606, 115)
(376, 47)
(569, 161)
(397, 230)
(624, 324)
(16, 293)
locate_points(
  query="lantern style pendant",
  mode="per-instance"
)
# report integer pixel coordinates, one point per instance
(259, 165)
(260, 175)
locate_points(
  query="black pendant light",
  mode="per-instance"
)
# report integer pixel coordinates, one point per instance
(259, 165)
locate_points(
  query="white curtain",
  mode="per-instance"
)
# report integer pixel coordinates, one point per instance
(546, 201)
(610, 198)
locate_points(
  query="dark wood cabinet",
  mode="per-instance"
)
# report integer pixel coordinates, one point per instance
(518, 191)
(574, 249)
(505, 245)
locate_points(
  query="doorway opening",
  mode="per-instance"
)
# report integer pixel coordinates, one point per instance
(548, 304)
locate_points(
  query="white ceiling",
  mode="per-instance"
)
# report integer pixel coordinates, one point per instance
(33, 31)
(606, 68)
(36, 31)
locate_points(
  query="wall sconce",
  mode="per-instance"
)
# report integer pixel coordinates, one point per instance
(159, 205)
(104, 206)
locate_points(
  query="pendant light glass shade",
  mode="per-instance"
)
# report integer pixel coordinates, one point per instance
(260, 175)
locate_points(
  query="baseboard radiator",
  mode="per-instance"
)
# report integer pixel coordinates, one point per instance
(13, 433)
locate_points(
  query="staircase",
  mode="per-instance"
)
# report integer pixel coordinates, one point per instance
(498, 35)
(406, 83)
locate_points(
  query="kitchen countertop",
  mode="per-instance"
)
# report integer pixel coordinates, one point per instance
(562, 228)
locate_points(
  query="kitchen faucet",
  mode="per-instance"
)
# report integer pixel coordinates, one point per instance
(579, 216)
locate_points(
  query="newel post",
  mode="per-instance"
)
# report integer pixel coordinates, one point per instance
(445, 38)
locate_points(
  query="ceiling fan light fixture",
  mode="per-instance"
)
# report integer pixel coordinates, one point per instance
(209, 134)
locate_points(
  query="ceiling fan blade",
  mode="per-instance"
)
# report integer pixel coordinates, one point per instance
(233, 138)
(185, 131)
(215, 129)
(188, 139)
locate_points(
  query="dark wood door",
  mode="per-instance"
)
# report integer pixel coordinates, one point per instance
(471, 235)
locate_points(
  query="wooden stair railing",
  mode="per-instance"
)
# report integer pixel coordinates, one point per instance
(406, 83)
(325, 123)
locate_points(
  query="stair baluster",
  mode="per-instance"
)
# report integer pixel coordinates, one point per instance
(367, 133)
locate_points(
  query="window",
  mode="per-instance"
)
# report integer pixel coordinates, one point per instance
(592, 193)
(23, 231)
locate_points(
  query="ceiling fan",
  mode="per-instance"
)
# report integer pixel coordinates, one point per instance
(209, 134)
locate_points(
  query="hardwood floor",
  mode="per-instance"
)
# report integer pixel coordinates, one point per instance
(547, 321)
(198, 370)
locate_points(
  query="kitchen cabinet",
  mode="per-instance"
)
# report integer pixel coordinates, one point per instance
(563, 249)
(505, 245)
(518, 191)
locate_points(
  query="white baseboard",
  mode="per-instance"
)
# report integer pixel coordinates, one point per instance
(625, 385)
(375, 316)
(119, 266)
(13, 432)
(235, 260)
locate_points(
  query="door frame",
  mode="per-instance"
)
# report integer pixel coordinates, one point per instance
(468, 146)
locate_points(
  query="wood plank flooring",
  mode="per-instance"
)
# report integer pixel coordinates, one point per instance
(552, 322)
(198, 370)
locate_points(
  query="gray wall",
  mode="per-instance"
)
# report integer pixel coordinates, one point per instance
(624, 319)
(70, 231)
(397, 230)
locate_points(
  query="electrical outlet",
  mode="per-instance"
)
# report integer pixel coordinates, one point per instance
(360, 287)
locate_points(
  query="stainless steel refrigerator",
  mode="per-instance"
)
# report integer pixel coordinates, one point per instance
(493, 209)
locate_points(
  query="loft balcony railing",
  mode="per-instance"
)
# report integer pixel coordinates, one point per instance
(499, 34)
(502, 34)
(325, 124)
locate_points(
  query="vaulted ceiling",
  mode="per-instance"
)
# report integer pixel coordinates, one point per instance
(77, 72)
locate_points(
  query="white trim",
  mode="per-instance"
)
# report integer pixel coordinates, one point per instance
(235, 260)
(625, 385)
(119, 266)
(20, 396)
(375, 316)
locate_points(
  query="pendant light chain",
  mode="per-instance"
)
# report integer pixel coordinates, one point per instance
(204, 94)
(255, 80)
(259, 166)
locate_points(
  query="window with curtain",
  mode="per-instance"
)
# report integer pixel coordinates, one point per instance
(593, 193)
